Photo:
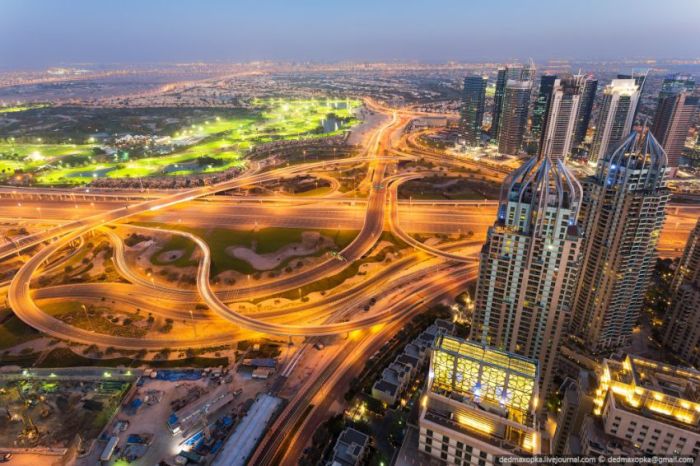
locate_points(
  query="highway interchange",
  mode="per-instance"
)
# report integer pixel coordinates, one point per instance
(424, 275)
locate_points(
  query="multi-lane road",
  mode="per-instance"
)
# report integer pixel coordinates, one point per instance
(404, 286)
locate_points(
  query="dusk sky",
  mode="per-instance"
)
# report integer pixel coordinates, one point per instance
(39, 33)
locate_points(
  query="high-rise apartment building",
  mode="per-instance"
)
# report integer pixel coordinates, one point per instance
(561, 117)
(515, 72)
(640, 78)
(682, 326)
(590, 86)
(528, 264)
(622, 215)
(539, 111)
(479, 404)
(513, 120)
(620, 100)
(472, 109)
(675, 110)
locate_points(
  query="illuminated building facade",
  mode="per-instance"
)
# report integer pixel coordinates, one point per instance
(620, 99)
(639, 76)
(528, 265)
(472, 109)
(682, 332)
(652, 406)
(622, 215)
(479, 404)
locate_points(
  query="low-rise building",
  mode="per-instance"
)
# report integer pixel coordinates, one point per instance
(479, 404)
(396, 378)
(350, 448)
(575, 405)
(385, 391)
(652, 406)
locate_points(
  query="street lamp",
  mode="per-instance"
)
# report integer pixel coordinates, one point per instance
(194, 327)
(87, 316)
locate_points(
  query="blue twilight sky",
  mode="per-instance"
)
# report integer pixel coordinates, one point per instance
(38, 33)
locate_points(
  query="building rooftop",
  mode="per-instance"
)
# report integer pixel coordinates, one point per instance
(349, 447)
(668, 393)
(538, 184)
(483, 393)
(637, 152)
(385, 386)
(485, 376)
(408, 360)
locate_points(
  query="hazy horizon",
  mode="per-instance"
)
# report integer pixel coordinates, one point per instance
(42, 33)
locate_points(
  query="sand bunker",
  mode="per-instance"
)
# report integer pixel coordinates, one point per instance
(170, 256)
(310, 244)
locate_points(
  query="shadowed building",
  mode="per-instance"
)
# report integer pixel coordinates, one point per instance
(674, 113)
(539, 111)
(622, 215)
(472, 110)
(527, 268)
(682, 333)
(513, 120)
(590, 86)
(514, 72)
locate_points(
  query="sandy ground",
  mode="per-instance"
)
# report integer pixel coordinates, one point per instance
(310, 244)
(170, 256)
(152, 419)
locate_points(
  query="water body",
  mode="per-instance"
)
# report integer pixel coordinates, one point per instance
(101, 173)
(330, 124)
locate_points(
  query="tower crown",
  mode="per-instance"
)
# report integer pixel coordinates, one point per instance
(537, 186)
(639, 152)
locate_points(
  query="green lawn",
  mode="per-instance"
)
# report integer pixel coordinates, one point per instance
(267, 240)
(19, 108)
(14, 332)
(96, 318)
(64, 357)
(214, 145)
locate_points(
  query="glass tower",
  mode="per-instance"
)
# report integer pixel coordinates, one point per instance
(472, 110)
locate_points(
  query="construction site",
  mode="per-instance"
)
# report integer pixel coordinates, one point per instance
(53, 412)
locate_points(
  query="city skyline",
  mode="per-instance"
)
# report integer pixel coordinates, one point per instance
(322, 234)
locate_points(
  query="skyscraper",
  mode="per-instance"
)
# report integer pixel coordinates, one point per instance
(590, 86)
(622, 214)
(516, 101)
(472, 110)
(528, 264)
(674, 113)
(540, 108)
(682, 326)
(616, 117)
(506, 73)
(561, 117)
(640, 78)
(479, 405)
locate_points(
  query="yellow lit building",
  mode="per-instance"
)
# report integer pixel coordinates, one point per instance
(479, 404)
(653, 406)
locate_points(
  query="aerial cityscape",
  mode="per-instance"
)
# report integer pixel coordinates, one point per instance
(361, 234)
